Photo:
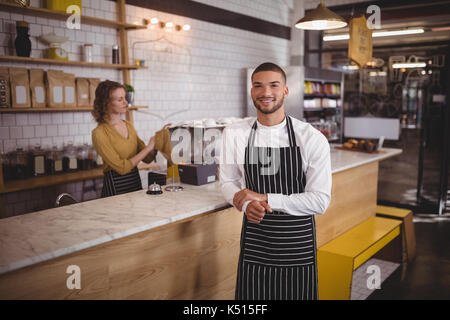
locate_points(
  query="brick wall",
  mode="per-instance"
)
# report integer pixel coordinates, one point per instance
(194, 75)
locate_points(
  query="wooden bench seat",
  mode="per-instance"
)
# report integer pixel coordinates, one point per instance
(337, 259)
(407, 229)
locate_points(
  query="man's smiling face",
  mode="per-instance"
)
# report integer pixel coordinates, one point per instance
(268, 91)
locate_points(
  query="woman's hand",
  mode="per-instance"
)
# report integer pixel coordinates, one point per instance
(166, 126)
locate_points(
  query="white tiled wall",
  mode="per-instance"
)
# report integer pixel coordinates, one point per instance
(191, 75)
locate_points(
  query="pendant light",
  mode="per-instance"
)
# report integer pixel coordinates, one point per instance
(321, 18)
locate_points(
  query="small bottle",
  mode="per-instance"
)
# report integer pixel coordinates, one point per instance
(87, 52)
(115, 54)
(22, 42)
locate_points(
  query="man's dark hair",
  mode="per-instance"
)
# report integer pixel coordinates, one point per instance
(269, 66)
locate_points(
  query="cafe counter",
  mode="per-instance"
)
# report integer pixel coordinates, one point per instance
(177, 245)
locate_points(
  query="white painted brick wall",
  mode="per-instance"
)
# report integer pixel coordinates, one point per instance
(198, 74)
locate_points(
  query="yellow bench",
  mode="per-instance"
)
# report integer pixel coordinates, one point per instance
(337, 259)
(407, 229)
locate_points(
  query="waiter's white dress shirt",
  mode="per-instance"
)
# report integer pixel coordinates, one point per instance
(315, 151)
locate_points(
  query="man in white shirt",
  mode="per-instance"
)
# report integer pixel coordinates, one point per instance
(277, 170)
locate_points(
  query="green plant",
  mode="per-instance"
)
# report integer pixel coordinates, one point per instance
(129, 88)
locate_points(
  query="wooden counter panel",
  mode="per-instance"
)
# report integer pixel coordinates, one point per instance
(353, 200)
(194, 259)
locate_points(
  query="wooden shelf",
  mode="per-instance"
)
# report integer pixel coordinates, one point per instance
(44, 181)
(48, 109)
(46, 13)
(70, 63)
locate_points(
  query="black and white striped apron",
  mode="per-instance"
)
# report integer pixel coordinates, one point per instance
(114, 183)
(278, 255)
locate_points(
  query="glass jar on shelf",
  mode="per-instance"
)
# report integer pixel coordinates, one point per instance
(54, 161)
(38, 160)
(92, 157)
(82, 157)
(334, 133)
(6, 165)
(70, 162)
(21, 169)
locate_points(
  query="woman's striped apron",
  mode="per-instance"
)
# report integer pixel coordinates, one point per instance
(114, 183)
(278, 255)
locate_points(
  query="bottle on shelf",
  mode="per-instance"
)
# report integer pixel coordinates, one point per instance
(22, 42)
(115, 54)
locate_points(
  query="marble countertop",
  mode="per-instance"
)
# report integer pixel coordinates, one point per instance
(342, 159)
(35, 237)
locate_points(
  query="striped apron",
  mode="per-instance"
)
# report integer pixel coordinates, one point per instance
(278, 255)
(114, 183)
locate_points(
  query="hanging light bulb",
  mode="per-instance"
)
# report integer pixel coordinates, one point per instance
(321, 18)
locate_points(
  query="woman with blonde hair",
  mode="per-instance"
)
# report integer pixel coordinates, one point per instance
(117, 142)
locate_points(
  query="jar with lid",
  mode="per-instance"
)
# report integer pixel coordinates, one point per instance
(6, 169)
(82, 157)
(334, 134)
(70, 162)
(54, 161)
(21, 169)
(92, 158)
(38, 160)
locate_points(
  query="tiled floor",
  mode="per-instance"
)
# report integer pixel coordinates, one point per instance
(428, 276)
(370, 277)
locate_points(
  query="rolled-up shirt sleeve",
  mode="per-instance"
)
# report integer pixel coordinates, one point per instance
(317, 195)
(230, 174)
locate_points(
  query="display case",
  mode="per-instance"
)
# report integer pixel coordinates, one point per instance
(322, 101)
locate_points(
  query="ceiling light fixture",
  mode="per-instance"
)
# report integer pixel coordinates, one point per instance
(376, 34)
(321, 18)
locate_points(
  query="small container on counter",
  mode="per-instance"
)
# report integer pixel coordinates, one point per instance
(38, 161)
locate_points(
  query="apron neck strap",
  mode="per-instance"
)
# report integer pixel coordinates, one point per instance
(291, 134)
